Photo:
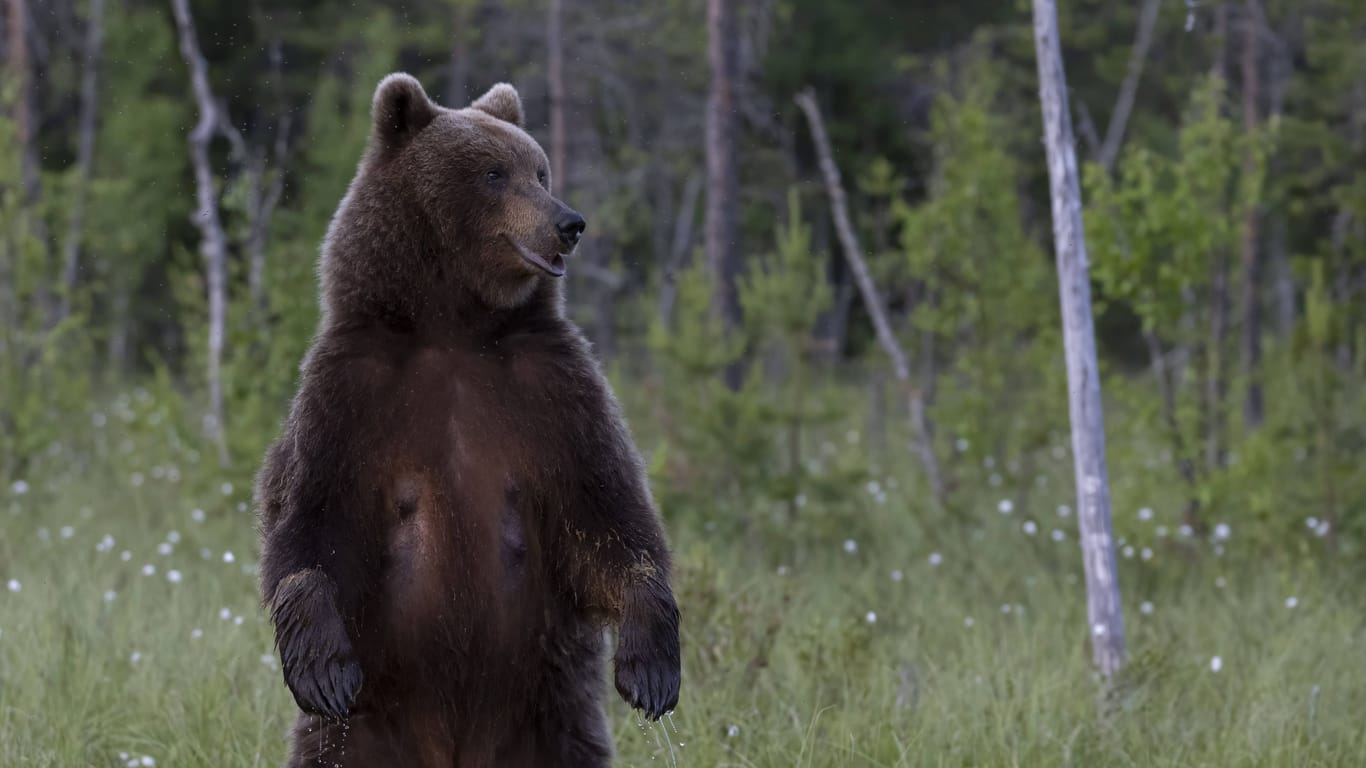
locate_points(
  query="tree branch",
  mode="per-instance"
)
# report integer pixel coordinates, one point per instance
(1128, 90)
(853, 252)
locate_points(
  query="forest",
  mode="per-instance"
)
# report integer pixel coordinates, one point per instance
(820, 272)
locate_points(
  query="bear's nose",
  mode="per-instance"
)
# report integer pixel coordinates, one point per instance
(570, 225)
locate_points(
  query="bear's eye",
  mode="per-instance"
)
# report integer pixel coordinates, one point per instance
(494, 175)
(540, 176)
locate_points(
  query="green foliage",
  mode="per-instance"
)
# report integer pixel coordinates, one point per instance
(985, 306)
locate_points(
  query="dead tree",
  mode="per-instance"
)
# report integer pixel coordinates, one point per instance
(1104, 614)
(723, 186)
(85, 157)
(213, 243)
(853, 254)
(1251, 258)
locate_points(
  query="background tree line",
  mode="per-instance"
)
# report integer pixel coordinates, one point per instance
(162, 208)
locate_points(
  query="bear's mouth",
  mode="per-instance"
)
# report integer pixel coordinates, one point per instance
(554, 267)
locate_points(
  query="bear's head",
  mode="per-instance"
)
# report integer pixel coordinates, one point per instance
(459, 199)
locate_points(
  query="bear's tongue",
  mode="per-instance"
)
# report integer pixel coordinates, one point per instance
(554, 267)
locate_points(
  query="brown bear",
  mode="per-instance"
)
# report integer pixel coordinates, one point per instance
(455, 510)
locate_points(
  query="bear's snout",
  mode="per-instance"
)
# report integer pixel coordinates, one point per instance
(570, 225)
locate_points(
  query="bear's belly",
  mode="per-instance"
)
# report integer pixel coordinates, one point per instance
(460, 578)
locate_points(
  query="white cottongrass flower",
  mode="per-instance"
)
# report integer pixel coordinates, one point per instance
(1058, 535)
(1221, 582)
(1064, 510)
(136, 479)
(961, 444)
(224, 614)
(1146, 554)
(196, 633)
(173, 576)
(226, 488)
(164, 548)
(995, 479)
(149, 570)
(106, 544)
(109, 595)
(1292, 601)
(19, 487)
(1321, 529)
(1186, 531)
(173, 537)
(1146, 608)
(197, 515)
(1128, 552)
(67, 531)
(1161, 531)
(1222, 532)
(229, 557)
(13, 585)
(135, 656)
(268, 659)
(1005, 506)
(936, 558)
(1030, 528)
(1311, 522)
(1216, 664)
(870, 617)
(1005, 608)
(967, 621)
(1145, 514)
(237, 620)
(897, 575)
(850, 546)
(125, 555)
(733, 731)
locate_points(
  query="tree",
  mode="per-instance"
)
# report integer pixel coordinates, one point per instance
(723, 186)
(1103, 611)
(213, 243)
(853, 252)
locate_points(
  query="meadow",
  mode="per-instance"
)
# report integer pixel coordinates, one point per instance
(131, 633)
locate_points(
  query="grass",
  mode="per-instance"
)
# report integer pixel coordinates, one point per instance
(893, 637)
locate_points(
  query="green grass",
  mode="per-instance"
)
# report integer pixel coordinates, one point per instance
(782, 665)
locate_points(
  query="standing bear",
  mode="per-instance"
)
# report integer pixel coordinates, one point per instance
(455, 510)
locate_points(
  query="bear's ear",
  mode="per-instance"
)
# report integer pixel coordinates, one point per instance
(400, 109)
(503, 103)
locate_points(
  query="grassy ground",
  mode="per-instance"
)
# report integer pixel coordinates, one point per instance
(129, 627)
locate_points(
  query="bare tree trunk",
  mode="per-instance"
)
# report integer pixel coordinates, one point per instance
(555, 75)
(21, 70)
(1216, 381)
(679, 246)
(1103, 610)
(853, 253)
(458, 66)
(1128, 90)
(85, 156)
(723, 187)
(1252, 263)
(213, 244)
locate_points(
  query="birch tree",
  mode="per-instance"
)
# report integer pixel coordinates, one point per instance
(213, 243)
(1103, 612)
(723, 188)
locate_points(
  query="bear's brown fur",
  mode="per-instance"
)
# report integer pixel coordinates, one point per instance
(455, 509)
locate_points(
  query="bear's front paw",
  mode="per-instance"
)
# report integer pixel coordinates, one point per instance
(324, 682)
(647, 664)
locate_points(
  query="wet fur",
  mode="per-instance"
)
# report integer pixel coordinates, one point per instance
(455, 508)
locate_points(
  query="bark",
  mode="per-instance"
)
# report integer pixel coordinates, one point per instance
(679, 247)
(1213, 413)
(458, 66)
(21, 67)
(85, 156)
(1128, 90)
(555, 76)
(262, 205)
(723, 190)
(213, 243)
(853, 253)
(1251, 258)
(1103, 609)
